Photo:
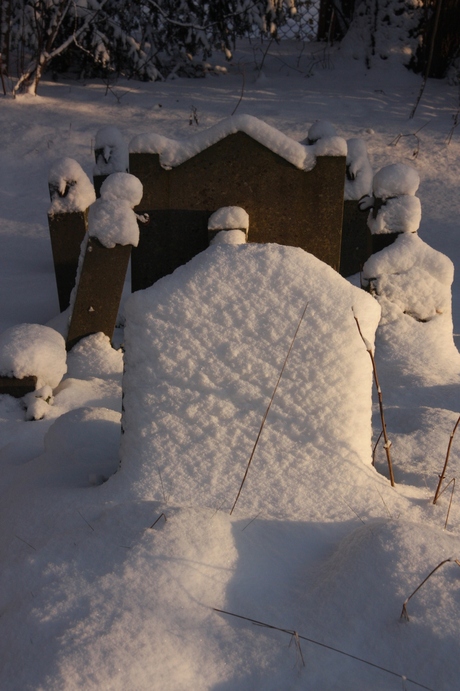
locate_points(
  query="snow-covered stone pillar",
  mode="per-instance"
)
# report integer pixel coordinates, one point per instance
(111, 154)
(71, 193)
(395, 208)
(112, 232)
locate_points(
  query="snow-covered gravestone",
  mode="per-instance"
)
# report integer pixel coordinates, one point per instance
(32, 363)
(104, 258)
(292, 192)
(228, 225)
(71, 193)
(204, 349)
(111, 154)
(356, 244)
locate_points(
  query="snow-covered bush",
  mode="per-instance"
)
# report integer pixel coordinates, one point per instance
(111, 218)
(70, 188)
(111, 151)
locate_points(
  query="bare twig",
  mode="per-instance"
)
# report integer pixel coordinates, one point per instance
(416, 151)
(165, 499)
(404, 614)
(25, 542)
(251, 521)
(162, 515)
(243, 74)
(375, 447)
(88, 524)
(443, 473)
(323, 645)
(268, 409)
(379, 392)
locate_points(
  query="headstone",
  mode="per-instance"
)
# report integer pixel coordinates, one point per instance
(99, 291)
(67, 231)
(17, 387)
(286, 205)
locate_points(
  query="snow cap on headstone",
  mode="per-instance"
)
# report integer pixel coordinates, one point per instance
(33, 350)
(70, 188)
(111, 151)
(395, 180)
(111, 219)
(229, 218)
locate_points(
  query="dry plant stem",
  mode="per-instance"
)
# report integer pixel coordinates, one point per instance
(382, 415)
(162, 515)
(404, 614)
(243, 74)
(268, 409)
(430, 58)
(452, 482)
(443, 474)
(375, 447)
(323, 645)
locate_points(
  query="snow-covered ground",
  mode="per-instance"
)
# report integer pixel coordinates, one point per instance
(113, 585)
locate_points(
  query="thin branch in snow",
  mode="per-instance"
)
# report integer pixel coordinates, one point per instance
(162, 515)
(268, 408)
(443, 473)
(379, 391)
(324, 645)
(25, 542)
(416, 150)
(88, 524)
(243, 74)
(404, 614)
(375, 447)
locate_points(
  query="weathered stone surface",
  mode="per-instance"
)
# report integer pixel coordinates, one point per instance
(17, 387)
(356, 239)
(97, 182)
(285, 205)
(67, 232)
(99, 291)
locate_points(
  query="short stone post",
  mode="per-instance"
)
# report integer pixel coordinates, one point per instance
(71, 194)
(228, 225)
(112, 231)
(111, 154)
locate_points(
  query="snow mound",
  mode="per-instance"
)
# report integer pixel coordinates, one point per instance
(229, 218)
(201, 364)
(361, 588)
(111, 219)
(394, 180)
(111, 150)
(412, 283)
(174, 152)
(33, 350)
(70, 187)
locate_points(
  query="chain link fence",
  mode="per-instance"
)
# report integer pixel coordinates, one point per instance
(303, 26)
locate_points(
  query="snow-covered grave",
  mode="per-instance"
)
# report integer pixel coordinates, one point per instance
(292, 192)
(71, 193)
(112, 232)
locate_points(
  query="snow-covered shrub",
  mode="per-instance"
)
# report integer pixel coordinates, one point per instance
(398, 210)
(111, 218)
(70, 188)
(33, 350)
(388, 31)
(111, 151)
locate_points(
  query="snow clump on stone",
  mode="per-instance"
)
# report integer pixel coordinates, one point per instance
(33, 350)
(401, 211)
(358, 181)
(112, 219)
(111, 150)
(70, 188)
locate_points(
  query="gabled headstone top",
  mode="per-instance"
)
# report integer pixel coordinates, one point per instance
(173, 152)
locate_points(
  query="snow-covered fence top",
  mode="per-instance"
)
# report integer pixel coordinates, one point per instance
(173, 152)
(292, 192)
